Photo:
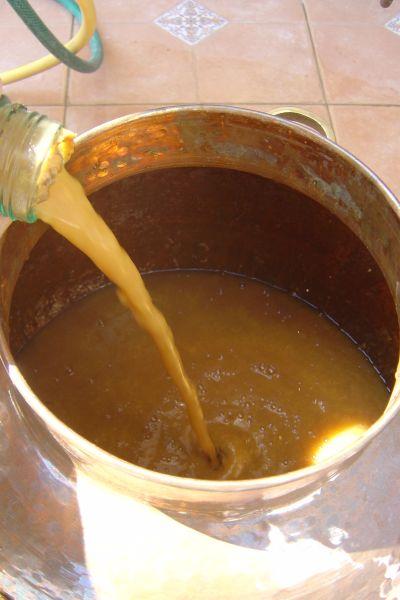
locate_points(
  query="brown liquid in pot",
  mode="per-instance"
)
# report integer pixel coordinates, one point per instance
(274, 377)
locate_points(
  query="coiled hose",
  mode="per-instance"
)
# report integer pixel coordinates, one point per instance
(84, 11)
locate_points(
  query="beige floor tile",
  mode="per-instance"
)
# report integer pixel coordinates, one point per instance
(359, 64)
(22, 47)
(48, 10)
(354, 11)
(82, 118)
(131, 11)
(262, 11)
(53, 112)
(141, 11)
(372, 133)
(256, 63)
(142, 64)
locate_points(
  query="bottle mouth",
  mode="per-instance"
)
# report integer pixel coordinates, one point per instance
(58, 154)
(32, 152)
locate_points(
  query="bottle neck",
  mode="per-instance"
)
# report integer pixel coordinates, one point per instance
(29, 160)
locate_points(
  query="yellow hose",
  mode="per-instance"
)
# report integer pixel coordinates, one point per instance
(80, 40)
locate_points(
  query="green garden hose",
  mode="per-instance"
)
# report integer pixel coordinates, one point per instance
(57, 49)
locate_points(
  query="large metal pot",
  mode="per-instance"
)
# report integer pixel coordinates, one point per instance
(217, 188)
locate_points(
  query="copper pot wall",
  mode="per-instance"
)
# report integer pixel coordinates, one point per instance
(216, 188)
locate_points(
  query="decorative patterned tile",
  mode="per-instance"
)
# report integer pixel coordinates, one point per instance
(190, 21)
(394, 24)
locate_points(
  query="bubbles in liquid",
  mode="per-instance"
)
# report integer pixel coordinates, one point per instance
(213, 375)
(258, 419)
(201, 389)
(320, 404)
(265, 370)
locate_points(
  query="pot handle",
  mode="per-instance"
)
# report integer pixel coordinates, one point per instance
(304, 117)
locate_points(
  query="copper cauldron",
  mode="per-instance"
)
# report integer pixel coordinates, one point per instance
(218, 188)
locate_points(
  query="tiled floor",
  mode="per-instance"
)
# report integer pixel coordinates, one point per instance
(334, 56)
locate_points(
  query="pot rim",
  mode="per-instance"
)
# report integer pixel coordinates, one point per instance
(328, 467)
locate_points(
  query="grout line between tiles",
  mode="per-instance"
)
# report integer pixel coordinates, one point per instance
(317, 63)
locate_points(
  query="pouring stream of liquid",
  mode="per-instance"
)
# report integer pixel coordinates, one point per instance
(70, 213)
